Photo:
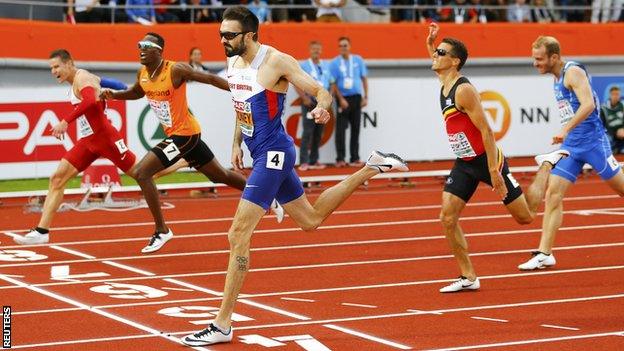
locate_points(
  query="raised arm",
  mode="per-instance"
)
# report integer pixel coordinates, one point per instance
(433, 34)
(184, 72)
(468, 100)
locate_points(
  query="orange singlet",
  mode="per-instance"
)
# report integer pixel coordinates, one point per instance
(169, 103)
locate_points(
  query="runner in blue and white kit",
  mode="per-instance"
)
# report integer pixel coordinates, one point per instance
(582, 135)
(259, 76)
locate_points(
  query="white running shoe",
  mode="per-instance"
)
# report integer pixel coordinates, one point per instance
(539, 260)
(210, 335)
(33, 237)
(552, 157)
(278, 210)
(462, 283)
(386, 162)
(157, 241)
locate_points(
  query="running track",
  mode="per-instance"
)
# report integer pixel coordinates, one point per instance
(368, 279)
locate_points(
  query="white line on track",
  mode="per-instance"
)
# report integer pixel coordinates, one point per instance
(297, 299)
(84, 341)
(273, 309)
(490, 319)
(87, 308)
(339, 212)
(311, 266)
(529, 341)
(128, 268)
(368, 337)
(409, 314)
(177, 289)
(558, 327)
(357, 305)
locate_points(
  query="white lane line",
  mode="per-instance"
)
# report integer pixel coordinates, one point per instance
(529, 341)
(368, 337)
(190, 286)
(408, 314)
(297, 299)
(490, 319)
(424, 312)
(128, 268)
(343, 264)
(73, 252)
(94, 310)
(357, 305)
(558, 327)
(339, 212)
(177, 289)
(194, 287)
(273, 309)
(84, 341)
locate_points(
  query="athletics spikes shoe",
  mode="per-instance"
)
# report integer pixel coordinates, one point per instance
(552, 157)
(210, 335)
(461, 284)
(539, 260)
(33, 237)
(157, 241)
(386, 162)
(278, 210)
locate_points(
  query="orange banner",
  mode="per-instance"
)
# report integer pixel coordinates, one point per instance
(107, 42)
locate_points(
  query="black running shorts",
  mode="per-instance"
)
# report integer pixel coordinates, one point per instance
(466, 175)
(191, 148)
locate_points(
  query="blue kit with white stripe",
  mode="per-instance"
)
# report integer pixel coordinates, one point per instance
(587, 142)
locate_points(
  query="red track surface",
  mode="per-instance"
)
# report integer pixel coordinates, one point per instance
(375, 267)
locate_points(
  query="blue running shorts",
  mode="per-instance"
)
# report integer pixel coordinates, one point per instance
(599, 157)
(273, 177)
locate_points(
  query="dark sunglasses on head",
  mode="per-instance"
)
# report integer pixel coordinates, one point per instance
(441, 52)
(231, 35)
(144, 45)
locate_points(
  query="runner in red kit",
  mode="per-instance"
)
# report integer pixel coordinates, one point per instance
(96, 138)
(478, 157)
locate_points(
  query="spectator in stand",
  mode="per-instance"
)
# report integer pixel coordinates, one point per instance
(279, 14)
(612, 115)
(312, 132)
(498, 14)
(575, 15)
(165, 14)
(261, 10)
(462, 12)
(351, 90)
(195, 60)
(540, 13)
(476, 13)
(85, 11)
(329, 10)
(200, 15)
(519, 12)
(145, 15)
(302, 14)
(601, 7)
(617, 10)
(379, 11)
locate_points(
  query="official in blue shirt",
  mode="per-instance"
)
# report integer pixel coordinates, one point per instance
(312, 132)
(351, 89)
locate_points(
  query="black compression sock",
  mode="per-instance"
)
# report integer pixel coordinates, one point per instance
(42, 230)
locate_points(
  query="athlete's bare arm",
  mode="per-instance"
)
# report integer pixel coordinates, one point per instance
(433, 34)
(237, 151)
(287, 67)
(82, 79)
(133, 93)
(467, 100)
(184, 72)
(576, 80)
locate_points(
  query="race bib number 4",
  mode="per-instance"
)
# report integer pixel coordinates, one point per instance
(461, 145)
(565, 111)
(162, 110)
(275, 160)
(244, 117)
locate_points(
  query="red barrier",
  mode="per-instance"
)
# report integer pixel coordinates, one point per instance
(106, 42)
